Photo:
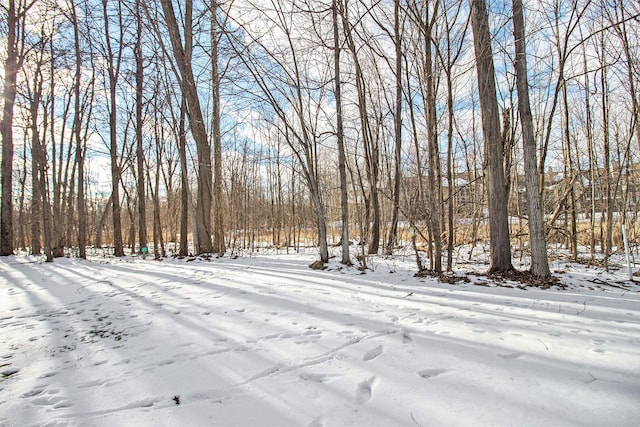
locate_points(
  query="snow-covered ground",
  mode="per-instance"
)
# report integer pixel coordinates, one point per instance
(266, 341)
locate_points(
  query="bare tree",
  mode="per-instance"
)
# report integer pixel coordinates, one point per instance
(607, 214)
(180, 131)
(342, 169)
(36, 154)
(539, 262)
(184, 179)
(80, 148)
(182, 54)
(40, 201)
(500, 247)
(16, 13)
(449, 58)
(619, 19)
(397, 122)
(434, 177)
(294, 104)
(219, 246)
(154, 189)
(114, 61)
(370, 141)
(61, 148)
(139, 77)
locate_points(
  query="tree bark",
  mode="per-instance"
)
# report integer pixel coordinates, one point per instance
(59, 164)
(344, 198)
(113, 68)
(608, 205)
(80, 146)
(6, 132)
(433, 179)
(184, 177)
(397, 126)
(36, 189)
(21, 239)
(205, 178)
(500, 247)
(370, 144)
(539, 260)
(38, 154)
(139, 76)
(219, 246)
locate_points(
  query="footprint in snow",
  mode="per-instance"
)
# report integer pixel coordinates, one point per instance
(47, 375)
(364, 391)
(92, 384)
(373, 353)
(430, 373)
(317, 378)
(8, 373)
(33, 393)
(312, 330)
(286, 335)
(56, 402)
(509, 356)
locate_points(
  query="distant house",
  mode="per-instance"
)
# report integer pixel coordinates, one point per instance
(588, 187)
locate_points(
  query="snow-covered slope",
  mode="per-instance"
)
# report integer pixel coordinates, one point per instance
(265, 341)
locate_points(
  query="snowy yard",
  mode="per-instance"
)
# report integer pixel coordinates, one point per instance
(266, 341)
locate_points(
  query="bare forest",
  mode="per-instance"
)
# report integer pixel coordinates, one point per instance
(192, 127)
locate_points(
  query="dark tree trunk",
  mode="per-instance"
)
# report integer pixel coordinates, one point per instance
(344, 200)
(500, 247)
(113, 68)
(539, 260)
(80, 146)
(205, 178)
(184, 191)
(397, 126)
(435, 210)
(219, 246)
(6, 132)
(142, 199)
